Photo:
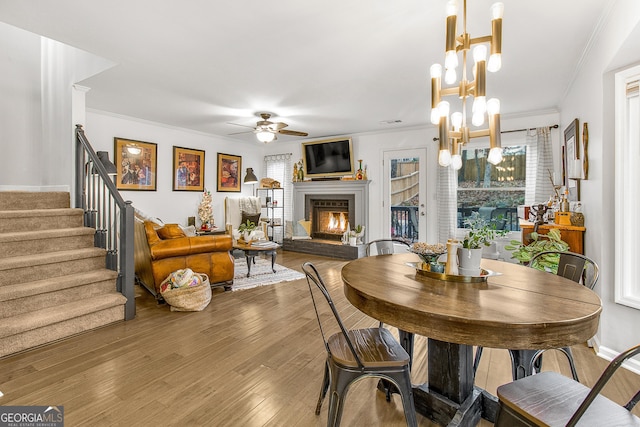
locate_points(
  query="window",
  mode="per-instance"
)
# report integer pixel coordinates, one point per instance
(627, 186)
(495, 191)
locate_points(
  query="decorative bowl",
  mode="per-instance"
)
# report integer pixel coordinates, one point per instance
(428, 253)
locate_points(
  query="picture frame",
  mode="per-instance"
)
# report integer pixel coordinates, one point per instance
(136, 164)
(229, 171)
(571, 151)
(188, 169)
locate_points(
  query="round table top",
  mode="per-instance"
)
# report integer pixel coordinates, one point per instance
(250, 247)
(522, 308)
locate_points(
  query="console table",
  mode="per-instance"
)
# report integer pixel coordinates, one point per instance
(571, 234)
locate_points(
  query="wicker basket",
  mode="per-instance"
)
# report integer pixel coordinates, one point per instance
(189, 298)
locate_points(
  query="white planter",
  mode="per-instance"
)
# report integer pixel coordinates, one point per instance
(353, 241)
(469, 261)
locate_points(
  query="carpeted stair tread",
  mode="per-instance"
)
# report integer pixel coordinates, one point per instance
(26, 261)
(22, 200)
(37, 213)
(53, 284)
(43, 318)
(45, 234)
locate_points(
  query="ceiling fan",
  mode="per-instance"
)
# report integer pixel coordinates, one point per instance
(266, 130)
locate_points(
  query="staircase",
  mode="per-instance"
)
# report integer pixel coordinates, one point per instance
(53, 281)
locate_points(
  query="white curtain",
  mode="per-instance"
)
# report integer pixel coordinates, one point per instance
(280, 168)
(447, 203)
(539, 166)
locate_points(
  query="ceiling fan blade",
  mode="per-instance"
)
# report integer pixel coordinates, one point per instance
(244, 126)
(292, 132)
(278, 125)
(238, 133)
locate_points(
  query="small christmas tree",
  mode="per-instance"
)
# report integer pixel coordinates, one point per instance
(205, 211)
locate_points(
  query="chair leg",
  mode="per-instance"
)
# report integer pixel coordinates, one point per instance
(403, 382)
(567, 352)
(476, 360)
(341, 379)
(323, 390)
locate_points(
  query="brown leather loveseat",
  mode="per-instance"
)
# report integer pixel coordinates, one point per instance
(160, 251)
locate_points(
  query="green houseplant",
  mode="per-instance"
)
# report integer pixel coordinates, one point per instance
(540, 243)
(247, 229)
(481, 231)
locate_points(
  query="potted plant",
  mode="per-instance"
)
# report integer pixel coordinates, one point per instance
(357, 232)
(540, 243)
(481, 233)
(247, 229)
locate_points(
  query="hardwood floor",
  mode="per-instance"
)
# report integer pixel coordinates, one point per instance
(252, 358)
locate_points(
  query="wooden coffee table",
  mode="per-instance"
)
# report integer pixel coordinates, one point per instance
(250, 252)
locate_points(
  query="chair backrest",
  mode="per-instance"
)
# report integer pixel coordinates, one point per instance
(316, 286)
(602, 381)
(384, 246)
(577, 267)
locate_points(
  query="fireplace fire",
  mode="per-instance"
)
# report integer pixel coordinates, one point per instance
(330, 216)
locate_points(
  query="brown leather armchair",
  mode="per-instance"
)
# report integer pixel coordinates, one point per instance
(203, 254)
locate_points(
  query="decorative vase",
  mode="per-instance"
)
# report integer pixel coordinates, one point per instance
(352, 241)
(469, 261)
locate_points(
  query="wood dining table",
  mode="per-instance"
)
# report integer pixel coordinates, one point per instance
(516, 308)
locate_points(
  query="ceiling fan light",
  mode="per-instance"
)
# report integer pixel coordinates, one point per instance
(265, 136)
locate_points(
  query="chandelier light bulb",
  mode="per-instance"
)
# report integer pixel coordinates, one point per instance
(444, 158)
(477, 119)
(443, 108)
(493, 106)
(480, 53)
(456, 161)
(456, 120)
(435, 116)
(450, 60)
(495, 62)
(495, 155)
(452, 8)
(497, 10)
(479, 105)
(435, 71)
(450, 76)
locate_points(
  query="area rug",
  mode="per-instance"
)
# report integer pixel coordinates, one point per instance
(261, 274)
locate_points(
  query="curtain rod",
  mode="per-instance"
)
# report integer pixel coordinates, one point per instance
(528, 129)
(515, 130)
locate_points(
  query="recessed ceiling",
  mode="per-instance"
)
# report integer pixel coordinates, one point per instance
(326, 68)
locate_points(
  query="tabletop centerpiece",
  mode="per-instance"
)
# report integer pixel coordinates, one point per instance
(429, 254)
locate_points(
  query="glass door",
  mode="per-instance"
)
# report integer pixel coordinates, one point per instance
(405, 194)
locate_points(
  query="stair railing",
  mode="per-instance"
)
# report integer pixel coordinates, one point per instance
(109, 214)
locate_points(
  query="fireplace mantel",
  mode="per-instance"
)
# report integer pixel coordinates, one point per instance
(359, 189)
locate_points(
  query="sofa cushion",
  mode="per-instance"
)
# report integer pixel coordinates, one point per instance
(170, 231)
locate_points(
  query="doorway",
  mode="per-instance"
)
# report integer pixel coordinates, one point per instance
(405, 199)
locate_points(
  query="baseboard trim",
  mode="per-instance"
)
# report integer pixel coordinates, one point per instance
(609, 354)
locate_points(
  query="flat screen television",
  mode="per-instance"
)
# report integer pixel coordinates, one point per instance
(328, 158)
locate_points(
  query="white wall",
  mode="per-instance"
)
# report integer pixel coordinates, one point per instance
(370, 147)
(590, 99)
(166, 204)
(20, 131)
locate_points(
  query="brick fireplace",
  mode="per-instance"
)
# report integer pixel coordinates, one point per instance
(329, 205)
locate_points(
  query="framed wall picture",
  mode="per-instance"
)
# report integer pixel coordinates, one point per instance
(188, 169)
(229, 170)
(136, 163)
(571, 154)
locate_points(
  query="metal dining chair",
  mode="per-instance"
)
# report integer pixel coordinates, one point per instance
(356, 354)
(385, 246)
(577, 267)
(549, 398)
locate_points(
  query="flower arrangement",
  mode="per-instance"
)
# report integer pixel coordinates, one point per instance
(205, 211)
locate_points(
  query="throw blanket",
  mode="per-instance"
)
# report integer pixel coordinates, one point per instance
(249, 205)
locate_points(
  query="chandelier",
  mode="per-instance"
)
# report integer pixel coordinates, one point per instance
(453, 129)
